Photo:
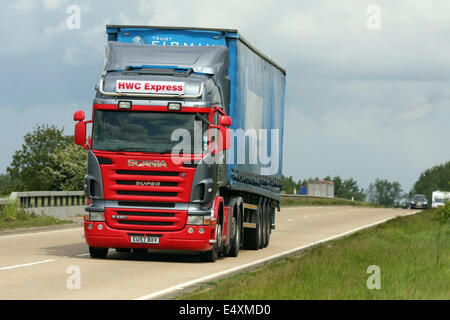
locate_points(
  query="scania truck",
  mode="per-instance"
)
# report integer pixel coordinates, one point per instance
(185, 143)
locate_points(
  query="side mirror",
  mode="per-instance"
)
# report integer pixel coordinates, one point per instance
(224, 134)
(225, 138)
(78, 116)
(225, 121)
(80, 134)
(80, 129)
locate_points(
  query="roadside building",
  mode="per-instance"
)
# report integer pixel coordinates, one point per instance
(320, 188)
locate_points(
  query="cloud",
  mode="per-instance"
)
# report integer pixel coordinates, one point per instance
(24, 4)
(53, 4)
(55, 30)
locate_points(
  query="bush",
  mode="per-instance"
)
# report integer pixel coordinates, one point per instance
(9, 211)
(443, 213)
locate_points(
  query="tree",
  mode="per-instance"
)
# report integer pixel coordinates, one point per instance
(337, 181)
(384, 193)
(436, 178)
(32, 167)
(5, 181)
(348, 189)
(287, 184)
(67, 168)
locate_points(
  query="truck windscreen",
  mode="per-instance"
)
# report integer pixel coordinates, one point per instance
(154, 132)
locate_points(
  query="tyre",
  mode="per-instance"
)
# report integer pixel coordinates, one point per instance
(98, 253)
(235, 235)
(212, 255)
(263, 224)
(269, 214)
(236, 231)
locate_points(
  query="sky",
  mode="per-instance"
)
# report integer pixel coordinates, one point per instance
(367, 91)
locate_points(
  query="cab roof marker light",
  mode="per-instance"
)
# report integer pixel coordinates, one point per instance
(174, 106)
(124, 104)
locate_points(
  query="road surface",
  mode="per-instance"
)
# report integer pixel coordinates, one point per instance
(56, 265)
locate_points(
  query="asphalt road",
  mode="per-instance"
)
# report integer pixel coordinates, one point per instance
(55, 264)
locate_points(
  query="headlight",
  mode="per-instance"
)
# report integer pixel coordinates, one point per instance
(199, 220)
(96, 216)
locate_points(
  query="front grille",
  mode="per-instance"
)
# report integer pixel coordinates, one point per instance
(149, 173)
(147, 183)
(146, 223)
(146, 193)
(190, 165)
(146, 204)
(147, 214)
(146, 219)
(150, 187)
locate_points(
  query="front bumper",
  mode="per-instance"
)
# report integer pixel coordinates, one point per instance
(419, 205)
(170, 240)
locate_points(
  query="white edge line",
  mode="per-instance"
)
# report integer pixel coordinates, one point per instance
(26, 264)
(37, 232)
(213, 276)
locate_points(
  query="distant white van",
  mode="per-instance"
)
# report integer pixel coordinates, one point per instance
(438, 198)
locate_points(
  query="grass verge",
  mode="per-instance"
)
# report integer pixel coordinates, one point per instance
(413, 254)
(12, 217)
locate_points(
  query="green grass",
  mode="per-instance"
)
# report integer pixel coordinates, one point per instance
(12, 217)
(405, 249)
(323, 202)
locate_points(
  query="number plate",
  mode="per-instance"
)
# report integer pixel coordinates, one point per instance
(143, 239)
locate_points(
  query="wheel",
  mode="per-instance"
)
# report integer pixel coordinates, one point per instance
(235, 235)
(268, 222)
(263, 224)
(260, 225)
(100, 253)
(123, 250)
(236, 230)
(253, 237)
(212, 255)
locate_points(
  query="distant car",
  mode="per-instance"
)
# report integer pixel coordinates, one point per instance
(418, 201)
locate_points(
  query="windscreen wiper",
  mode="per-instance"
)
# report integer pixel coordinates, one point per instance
(202, 118)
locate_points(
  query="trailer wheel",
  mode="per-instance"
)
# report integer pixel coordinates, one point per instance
(253, 237)
(99, 253)
(267, 222)
(264, 230)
